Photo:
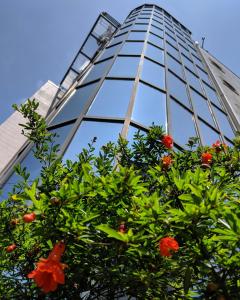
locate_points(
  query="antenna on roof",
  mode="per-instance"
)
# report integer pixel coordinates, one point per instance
(203, 39)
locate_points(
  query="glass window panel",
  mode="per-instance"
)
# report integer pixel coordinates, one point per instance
(118, 39)
(74, 106)
(174, 65)
(132, 48)
(201, 107)
(182, 124)
(155, 53)
(211, 94)
(153, 73)
(177, 89)
(108, 52)
(209, 135)
(104, 132)
(171, 40)
(137, 35)
(156, 30)
(90, 47)
(193, 80)
(203, 75)
(112, 99)
(124, 67)
(32, 164)
(155, 40)
(188, 63)
(80, 63)
(183, 50)
(98, 71)
(150, 106)
(172, 50)
(223, 123)
(197, 61)
(140, 27)
(157, 24)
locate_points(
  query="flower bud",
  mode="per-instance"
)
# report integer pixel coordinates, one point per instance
(28, 218)
(11, 248)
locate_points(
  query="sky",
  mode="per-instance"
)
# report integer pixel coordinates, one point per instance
(39, 38)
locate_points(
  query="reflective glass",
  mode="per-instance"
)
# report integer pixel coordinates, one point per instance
(209, 135)
(132, 48)
(90, 47)
(103, 131)
(98, 70)
(108, 52)
(32, 164)
(197, 61)
(201, 107)
(184, 50)
(188, 63)
(112, 99)
(153, 73)
(155, 53)
(223, 123)
(193, 80)
(177, 89)
(124, 67)
(137, 35)
(182, 124)
(155, 40)
(157, 24)
(140, 27)
(174, 65)
(150, 106)
(74, 106)
(118, 39)
(203, 75)
(171, 40)
(132, 130)
(156, 30)
(172, 50)
(211, 94)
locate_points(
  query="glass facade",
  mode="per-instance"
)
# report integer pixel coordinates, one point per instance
(148, 72)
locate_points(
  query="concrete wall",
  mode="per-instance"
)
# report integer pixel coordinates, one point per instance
(11, 139)
(220, 73)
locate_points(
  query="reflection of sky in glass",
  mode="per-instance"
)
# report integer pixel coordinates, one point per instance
(209, 135)
(153, 73)
(105, 132)
(124, 67)
(224, 123)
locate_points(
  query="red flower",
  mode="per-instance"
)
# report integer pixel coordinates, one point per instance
(11, 248)
(28, 218)
(49, 272)
(168, 245)
(166, 161)
(167, 141)
(218, 146)
(206, 158)
(122, 228)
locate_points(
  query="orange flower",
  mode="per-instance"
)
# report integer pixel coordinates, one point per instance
(49, 272)
(206, 158)
(166, 161)
(218, 146)
(28, 218)
(168, 245)
(11, 248)
(167, 141)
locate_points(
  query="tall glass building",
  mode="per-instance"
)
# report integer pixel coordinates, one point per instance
(127, 77)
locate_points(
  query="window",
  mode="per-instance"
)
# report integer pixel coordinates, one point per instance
(188, 63)
(153, 73)
(140, 27)
(103, 131)
(131, 48)
(118, 39)
(112, 99)
(75, 104)
(155, 53)
(124, 67)
(155, 40)
(193, 80)
(216, 65)
(211, 94)
(156, 31)
(157, 24)
(197, 60)
(170, 40)
(223, 123)
(174, 65)
(98, 70)
(201, 107)
(227, 84)
(137, 35)
(177, 89)
(203, 75)
(150, 106)
(184, 50)
(108, 52)
(209, 135)
(182, 124)
(132, 130)
(90, 47)
(173, 51)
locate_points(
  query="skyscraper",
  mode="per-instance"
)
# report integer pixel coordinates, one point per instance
(127, 77)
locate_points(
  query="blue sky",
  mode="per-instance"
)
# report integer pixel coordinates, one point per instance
(39, 38)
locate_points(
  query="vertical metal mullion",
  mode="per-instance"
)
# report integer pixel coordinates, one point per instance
(136, 82)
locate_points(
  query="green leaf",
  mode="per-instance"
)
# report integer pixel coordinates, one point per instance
(187, 280)
(113, 233)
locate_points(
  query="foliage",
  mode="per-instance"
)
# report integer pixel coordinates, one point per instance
(111, 211)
